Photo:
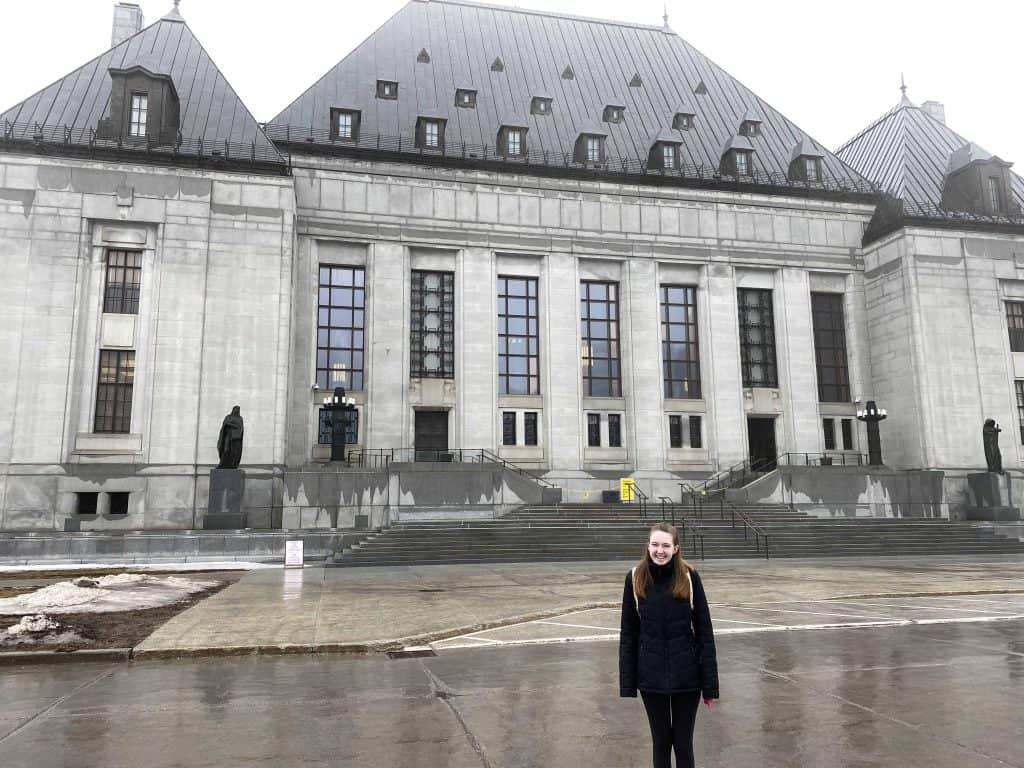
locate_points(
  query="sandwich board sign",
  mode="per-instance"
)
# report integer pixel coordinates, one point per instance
(626, 488)
(293, 554)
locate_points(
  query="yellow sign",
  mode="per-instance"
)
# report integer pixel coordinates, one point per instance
(626, 488)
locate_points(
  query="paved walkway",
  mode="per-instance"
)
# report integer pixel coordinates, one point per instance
(376, 609)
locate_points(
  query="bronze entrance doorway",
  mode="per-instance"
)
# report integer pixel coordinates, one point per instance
(431, 442)
(761, 444)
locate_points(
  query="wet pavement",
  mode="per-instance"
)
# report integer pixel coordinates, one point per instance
(923, 696)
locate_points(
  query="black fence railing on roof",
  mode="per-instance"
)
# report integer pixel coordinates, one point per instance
(913, 208)
(538, 160)
(162, 149)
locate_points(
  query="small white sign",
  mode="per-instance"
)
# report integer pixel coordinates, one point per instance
(293, 554)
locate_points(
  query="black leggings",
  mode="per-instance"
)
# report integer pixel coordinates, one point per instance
(672, 717)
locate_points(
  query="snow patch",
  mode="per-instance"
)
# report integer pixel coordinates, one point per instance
(119, 592)
(37, 629)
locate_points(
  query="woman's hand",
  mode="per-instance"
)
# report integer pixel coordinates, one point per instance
(708, 701)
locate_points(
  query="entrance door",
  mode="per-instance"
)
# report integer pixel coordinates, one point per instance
(432, 436)
(761, 444)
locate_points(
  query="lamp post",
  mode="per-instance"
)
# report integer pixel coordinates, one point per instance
(871, 414)
(340, 408)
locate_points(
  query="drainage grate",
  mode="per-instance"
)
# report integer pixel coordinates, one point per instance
(412, 652)
(431, 589)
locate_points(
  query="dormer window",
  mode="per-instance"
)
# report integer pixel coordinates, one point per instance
(387, 89)
(995, 194)
(741, 162)
(139, 112)
(750, 129)
(589, 148)
(664, 152)
(345, 124)
(430, 133)
(540, 105)
(683, 121)
(512, 141)
(613, 113)
(812, 168)
(466, 98)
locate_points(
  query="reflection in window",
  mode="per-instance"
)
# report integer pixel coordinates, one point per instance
(432, 345)
(518, 357)
(757, 338)
(680, 356)
(599, 332)
(339, 333)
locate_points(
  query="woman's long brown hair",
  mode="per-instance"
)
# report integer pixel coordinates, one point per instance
(642, 573)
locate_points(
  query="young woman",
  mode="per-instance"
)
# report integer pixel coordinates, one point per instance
(667, 646)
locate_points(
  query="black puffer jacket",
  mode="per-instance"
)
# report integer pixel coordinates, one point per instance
(665, 647)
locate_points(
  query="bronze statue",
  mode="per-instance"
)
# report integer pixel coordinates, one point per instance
(990, 436)
(229, 442)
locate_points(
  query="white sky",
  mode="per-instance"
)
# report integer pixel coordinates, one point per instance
(830, 67)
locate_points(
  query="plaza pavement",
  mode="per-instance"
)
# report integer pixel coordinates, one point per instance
(316, 609)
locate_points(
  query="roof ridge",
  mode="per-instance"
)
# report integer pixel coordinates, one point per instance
(872, 125)
(548, 14)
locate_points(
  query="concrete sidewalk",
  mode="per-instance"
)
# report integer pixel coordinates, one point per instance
(379, 609)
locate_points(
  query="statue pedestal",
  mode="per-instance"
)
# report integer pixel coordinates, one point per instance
(224, 509)
(992, 497)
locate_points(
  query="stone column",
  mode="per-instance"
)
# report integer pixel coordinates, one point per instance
(794, 339)
(561, 362)
(721, 363)
(387, 377)
(644, 389)
(476, 358)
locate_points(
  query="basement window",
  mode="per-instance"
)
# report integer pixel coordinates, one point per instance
(119, 503)
(86, 503)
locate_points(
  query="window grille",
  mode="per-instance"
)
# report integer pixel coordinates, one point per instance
(599, 331)
(614, 430)
(757, 338)
(340, 324)
(680, 354)
(123, 279)
(830, 347)
(696, 440)
(1015, 322)
(829, 429)
(847, 425)
(432, 345)
(518, 355)
(351, 427)
(508, 428)
(593, 149)
(675, 431)
(742, 164)
(431, 133)
(594, 430)
(114, 391)
(139, 112)
(668, 156)
(514, 142)
(530, 428)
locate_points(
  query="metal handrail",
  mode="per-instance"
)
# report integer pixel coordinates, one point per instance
(825, 459)
(749, 524)
(383, 457)
(642, 499)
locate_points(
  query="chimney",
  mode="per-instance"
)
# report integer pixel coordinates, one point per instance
(936, 109)
(127, 21)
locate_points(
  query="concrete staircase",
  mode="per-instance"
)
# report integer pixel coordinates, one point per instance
(612, 532)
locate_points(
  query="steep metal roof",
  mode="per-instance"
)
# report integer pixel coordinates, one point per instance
(210, 110)
(907, 153)
(650, 71)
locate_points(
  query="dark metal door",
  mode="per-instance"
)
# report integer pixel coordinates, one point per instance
(761, 444)
(432, 436)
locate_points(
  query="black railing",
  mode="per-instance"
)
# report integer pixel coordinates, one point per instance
(837, 459)
(169, 149)
(760, 535)
(384, 457)
(542, 161)
(641, 499)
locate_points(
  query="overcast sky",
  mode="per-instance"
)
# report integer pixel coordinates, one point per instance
(830, 67)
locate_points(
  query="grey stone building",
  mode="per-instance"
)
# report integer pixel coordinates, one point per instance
(577, 245)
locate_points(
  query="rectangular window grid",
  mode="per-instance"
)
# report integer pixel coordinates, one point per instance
(593, 149)
(518, 354)
(847, 425)
(995, 193)
(675, 431)
(594, 430)
(530, 428)
(829, 429)
(599, 331)
(680, 356)
(757, 338)
(140, 109)
(114, 391)
(432, 346)
(432, 133)
(668, 156)
(696, 440)
(344, 125)
(340, 324)
(830, 347)
(1015, 322)
(811, 168)
(742, 164)
(508, 428)
(351, 428)
(614, 430)
(514, 142)
(1019, 386)
(123, 278)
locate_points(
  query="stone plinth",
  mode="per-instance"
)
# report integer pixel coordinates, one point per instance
(224, 509)
(992, 497)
